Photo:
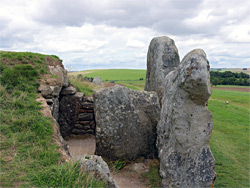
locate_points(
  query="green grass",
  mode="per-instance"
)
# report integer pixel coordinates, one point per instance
(230, 138)
(233, 97)
(86, 87)
(29, 156)
(231, 86)
(116, 74)
(127, 77)
(153, 176)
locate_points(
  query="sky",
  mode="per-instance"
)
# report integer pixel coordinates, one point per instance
(112, 34)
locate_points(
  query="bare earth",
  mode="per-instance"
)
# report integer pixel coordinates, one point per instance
(243, 89)
(85, 144)
(80, 145)
(126, 178)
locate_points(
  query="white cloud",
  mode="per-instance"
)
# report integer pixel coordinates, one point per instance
(135, 44)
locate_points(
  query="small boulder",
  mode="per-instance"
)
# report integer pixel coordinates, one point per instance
(139, 167)
(61, 73)
(68, 90)
(96, 165)
(97, 80)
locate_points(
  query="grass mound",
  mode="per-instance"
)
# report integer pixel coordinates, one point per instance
(28, 155)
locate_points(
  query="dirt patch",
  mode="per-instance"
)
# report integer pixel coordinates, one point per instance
(126, 178)
(81, 144)
(243, 89)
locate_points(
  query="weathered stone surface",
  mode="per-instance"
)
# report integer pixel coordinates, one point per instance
(55, 108)
(68, 90)
(125, 122)
(96, 165)
(61, 73)
(86, 111)
(85, 116)
(69, 109)
(84, 127)
(162, 58)
(82, 131)
(97, 80)
(186, 124)
(87, 105)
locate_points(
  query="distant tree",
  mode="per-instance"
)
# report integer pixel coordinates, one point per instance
(229, 78)
(215, 81)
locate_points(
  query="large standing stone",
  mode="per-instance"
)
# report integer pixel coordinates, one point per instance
(125, 122)
(162, 58)
(186, 124)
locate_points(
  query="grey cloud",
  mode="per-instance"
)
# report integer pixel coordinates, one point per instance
(157, 14)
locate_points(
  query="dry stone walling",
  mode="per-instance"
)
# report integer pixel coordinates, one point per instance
(162, 58)
(125, 122)
(186, 125)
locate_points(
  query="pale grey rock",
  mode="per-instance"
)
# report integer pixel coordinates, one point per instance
(61, 73)
(96, 165)
(186, 124)
(97, 80)
(125, 122)
(46, 91)
(162, 58)
(55, 108)
(139, 167)
(55, 90)
(71, 90)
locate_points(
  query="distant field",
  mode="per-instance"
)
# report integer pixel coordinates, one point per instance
(114, 74)
(230, 138)
(127, 77)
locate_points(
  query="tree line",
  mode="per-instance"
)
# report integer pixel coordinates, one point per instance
(229, 78)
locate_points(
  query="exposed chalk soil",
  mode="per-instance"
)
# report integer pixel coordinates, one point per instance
(80, 145)
(126, 178)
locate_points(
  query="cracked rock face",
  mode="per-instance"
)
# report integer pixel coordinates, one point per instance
(186, 124)
(162, 58)
(125, 122)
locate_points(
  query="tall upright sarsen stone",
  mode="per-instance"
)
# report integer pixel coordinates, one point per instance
(162, 58)
(186, 124)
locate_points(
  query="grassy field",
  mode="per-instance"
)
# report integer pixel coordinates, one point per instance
(230, 138)
(127, 77)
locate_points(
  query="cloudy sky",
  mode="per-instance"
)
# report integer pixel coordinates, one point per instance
(90, 34)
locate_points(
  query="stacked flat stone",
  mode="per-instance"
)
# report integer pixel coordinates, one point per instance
(85, 123)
